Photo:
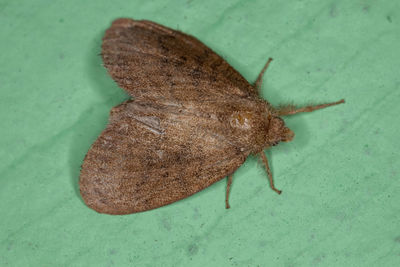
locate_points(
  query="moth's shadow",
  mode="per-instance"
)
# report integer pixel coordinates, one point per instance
(101, 82)
(93, 119)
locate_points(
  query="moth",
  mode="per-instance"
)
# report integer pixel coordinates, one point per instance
(193, 120)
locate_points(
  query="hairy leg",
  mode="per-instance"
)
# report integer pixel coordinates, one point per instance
(271, 180)
(258, 82)
(291, 109)
(228, 187)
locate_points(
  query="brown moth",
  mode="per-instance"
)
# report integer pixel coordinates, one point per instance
(193, 121)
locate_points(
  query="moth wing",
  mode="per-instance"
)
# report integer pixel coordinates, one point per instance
(150, 156)
(151, 61)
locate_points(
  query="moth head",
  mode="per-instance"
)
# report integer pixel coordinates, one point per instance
(277, 131)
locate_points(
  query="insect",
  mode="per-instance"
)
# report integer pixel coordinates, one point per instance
(193, 121)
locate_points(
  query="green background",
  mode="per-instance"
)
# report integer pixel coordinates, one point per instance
(340, 204)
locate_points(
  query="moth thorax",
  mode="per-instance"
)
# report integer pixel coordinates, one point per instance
(250, 129)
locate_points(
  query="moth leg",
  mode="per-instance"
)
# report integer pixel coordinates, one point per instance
(258, 82)
(291, 109)
(271, 180)
(228, 187)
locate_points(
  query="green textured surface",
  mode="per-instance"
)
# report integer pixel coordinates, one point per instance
(340, 176)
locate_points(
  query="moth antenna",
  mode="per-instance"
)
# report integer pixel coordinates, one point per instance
(291, 109)
(271, 180)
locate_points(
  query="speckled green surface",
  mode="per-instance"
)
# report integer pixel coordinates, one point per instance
(340, 176)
